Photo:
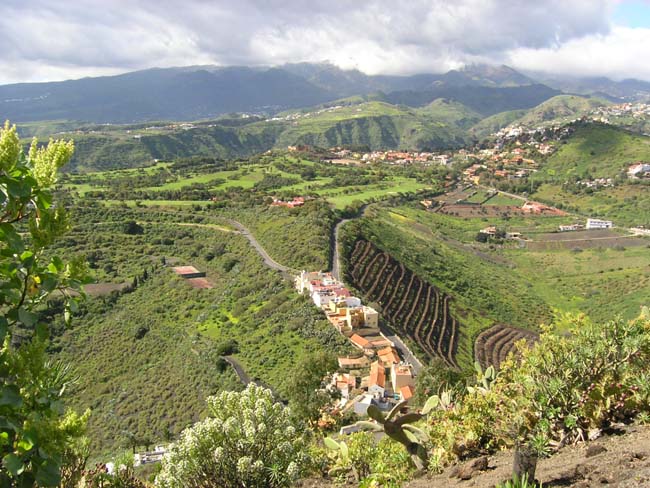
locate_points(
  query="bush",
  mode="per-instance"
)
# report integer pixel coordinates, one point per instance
(248, 440)
(569, 387)
(131, 227)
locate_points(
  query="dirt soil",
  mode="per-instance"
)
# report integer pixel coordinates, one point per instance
(621, 461)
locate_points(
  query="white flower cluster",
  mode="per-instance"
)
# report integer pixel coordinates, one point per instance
(248, 441)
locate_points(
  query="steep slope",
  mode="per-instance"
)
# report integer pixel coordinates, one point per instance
(377, 125)
(595, 150)
(560, 108)
(414, 307)
(485, 100)
(496, 122)
(557, 110)
(451, 113)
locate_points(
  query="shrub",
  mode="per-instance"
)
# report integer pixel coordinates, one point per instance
(569, 386)
(248, 440)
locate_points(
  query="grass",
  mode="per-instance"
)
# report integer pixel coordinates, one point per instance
(342, 198)
(595, 151)
(502, 200)
(626, 205)
(155, 386)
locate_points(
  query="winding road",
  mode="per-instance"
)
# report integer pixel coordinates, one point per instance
(245, 379)
(268, 260)
(336, 254)
(403, 349)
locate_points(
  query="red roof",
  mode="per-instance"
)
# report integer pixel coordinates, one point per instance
(406, 392)
(183, 270)
(357, 340)
(377, 375)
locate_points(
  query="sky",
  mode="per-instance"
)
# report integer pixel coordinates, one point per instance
(46, 40)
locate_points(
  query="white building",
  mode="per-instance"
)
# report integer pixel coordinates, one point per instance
(361, 406)
(638, 169)
(599, 224)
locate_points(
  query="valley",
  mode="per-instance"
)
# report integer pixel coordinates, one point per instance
(410, 254)
(345, 253)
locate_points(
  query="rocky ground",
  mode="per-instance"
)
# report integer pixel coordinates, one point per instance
(619, 460)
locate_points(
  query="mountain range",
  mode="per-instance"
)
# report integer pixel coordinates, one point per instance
(202, 92)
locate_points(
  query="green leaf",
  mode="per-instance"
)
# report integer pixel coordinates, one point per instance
(331, 444)
(4, 438)
(11, 237)
(25, 444)
(10, 395)
(26, 317)
(4, 328)
(18, 188)
(345, 452)
(44, 200)
(48, 474)
(431, 403)
(375, 414)
(48, 283)
(13, 464)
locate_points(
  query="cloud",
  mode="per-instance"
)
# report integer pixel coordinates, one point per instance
(619, 54)
(50, 39)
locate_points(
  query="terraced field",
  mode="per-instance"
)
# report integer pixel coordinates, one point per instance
(414, 307)
(493, 345)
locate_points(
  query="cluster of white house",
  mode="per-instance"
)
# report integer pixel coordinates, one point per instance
(639, 170)
(377, 375)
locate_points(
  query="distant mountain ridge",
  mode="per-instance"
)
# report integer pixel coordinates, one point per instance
(201, 92)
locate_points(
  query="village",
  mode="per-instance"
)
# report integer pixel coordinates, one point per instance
(376, 375)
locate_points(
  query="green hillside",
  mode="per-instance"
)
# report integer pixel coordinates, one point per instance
(451, 112)
(494, 123)
(559, 109)
(374, 124)
(595, 151)
(378, 125)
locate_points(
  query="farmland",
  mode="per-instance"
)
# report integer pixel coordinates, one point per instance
(412, 305)
(339, 185)
(554, 272)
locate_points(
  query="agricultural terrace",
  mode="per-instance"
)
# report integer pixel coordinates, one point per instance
(501, 282)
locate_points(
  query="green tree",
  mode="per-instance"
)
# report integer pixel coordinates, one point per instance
(36, 437)
(247, 440)
(306, 395)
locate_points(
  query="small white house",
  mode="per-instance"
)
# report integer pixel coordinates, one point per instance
(599, 224)
(361, 406)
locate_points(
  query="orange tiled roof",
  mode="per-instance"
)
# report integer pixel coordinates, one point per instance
(406, 392)
(377, 375)
(357, 340)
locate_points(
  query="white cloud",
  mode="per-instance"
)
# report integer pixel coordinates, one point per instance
(620, 54)
(50, 39)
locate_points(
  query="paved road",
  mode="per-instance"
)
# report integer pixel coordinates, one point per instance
(268, 260)
(403, 349)
(336, 257)
(245, 379)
